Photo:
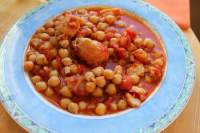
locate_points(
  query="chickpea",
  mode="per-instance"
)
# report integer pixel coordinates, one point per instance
(111, 89)
(135, 78)
(65, 91)
(117, 79)
(102, 26)
(110, 19)
(87, 31)
(89, 76)
(98, 71)
(82, 105)
(57, 23)
(46, 69)
(41, 30)
(141, 55)
(100, 109)
(54, 63)
(82, 21)
(138, 42)
(51, 31)
(130, 70)
(47, 45)
(90, 87)
(98, 92)
(53, 52)
(157, 54)
(49, 24)
(41, 86)
(67, 70)
(41, 59)
(66, 61)
(148, 79)
(100, 81)
(53, 73)
(63, 53)
(53, 81)
(74, 68)
(148, 43)
(64, 43)
(60, 17)
(121, 24)
(44, 36)
(118, 69)
(36, 79)
(111, 51)
(54, 41)
(122, 62)
(100, 35)
(49, 92)
(117, 35)
(113, 106)
(32, 57)
(64, 103)
(158, 62)
(108, 74)
(94, 29)
(113, 41)
(132, 47)
(35, 42)
(28, 66)
(106, 43)
(94, 19)
(132, 101)
(89, 25)
(82, 11)
(138, 90)
(139, 70)
(122, 104)
(73, 107)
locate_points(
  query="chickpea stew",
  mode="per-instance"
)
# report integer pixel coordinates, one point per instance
(95, 60)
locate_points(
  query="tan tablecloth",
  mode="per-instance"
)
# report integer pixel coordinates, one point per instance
(187, 122)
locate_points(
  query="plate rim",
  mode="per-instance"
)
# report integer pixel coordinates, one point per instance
(180, 34)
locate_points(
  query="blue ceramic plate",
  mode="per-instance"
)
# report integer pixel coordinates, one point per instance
(33, 113)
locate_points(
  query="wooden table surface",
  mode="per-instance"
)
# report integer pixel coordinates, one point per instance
(187, 122)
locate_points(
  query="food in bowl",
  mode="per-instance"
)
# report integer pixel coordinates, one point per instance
(95, 60)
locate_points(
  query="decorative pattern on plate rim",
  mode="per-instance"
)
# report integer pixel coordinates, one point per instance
(25, 121)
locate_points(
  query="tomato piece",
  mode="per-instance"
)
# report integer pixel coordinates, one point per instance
(130, 32)
(108, 101)
(121, 52)
(72, 24)
(81, 68)
(79, 90)
(125, 41)
(76, 83)
(47, 54)
(117, 11)
(58, 63)
(115, 46)
(155, 73)
(109, 35)
(126, 83)
(42, 73)
(83, 33)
